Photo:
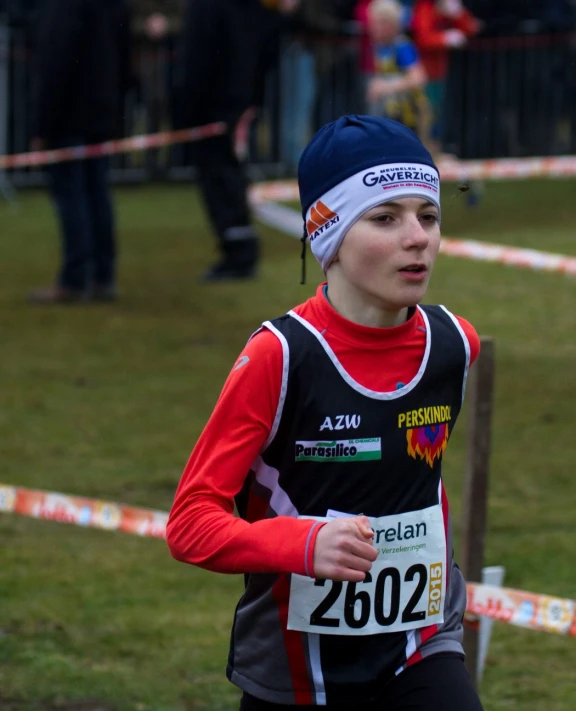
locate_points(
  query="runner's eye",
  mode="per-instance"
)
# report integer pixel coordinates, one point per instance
(382, 219)
(430, 218)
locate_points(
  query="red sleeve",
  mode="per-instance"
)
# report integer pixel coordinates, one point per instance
(466, 23)
(202, 528)
(472, 337)
(426, 34)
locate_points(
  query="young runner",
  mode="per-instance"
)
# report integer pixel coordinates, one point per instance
(329, 435)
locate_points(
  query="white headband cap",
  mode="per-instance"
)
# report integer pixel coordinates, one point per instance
(330, 218)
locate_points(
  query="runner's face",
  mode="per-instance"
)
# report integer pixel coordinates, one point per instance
(389, 253)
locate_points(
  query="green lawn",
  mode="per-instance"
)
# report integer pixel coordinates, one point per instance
(107, 401)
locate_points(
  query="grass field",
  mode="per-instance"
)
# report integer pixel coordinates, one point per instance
(107, 401)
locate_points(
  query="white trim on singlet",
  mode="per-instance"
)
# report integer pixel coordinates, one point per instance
(269, 478)
(316, 666)
(284, 386)
(410, 643)
(374, 394)
(466, 347)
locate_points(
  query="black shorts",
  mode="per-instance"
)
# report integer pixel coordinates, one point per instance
(437, 683)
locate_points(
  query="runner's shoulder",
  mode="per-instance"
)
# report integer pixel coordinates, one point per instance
(472, 336)
(263, 350)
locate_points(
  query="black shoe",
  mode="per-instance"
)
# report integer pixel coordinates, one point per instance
(225, 271)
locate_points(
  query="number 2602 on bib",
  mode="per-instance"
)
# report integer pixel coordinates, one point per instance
(404, 590)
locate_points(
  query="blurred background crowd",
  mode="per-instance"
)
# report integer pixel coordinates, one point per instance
(474, 78)
(505, 68)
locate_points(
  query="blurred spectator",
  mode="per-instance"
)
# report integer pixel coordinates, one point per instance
(227, 47)
(396, 88)
(331, 26)
(309, 52)
(81, 71)
(438, 26)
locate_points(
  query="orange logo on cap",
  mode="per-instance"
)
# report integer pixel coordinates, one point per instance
(320, 216)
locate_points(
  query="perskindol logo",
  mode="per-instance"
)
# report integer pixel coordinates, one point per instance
(402, 177)
(427, 432)
(321, 219)
(343, 450)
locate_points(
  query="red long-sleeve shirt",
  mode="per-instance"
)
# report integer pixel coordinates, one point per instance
(202, 528)
(429, 27)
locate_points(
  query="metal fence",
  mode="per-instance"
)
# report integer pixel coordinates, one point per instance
(504, 98)
(513, 97)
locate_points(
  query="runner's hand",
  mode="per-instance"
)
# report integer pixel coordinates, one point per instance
(344, 550)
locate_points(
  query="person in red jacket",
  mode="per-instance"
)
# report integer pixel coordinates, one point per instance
(329, 436)
(437, 27)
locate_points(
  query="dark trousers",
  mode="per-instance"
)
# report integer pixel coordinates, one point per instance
(224, 187)
(437, 683)
(81, 194)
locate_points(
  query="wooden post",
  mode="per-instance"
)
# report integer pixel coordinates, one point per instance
(475, 499)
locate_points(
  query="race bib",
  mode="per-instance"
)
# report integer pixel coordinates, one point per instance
(404, 590)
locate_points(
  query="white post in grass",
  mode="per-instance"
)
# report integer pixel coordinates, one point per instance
(492, 575)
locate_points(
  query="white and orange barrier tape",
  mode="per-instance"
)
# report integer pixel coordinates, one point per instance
(108, 148)
(275, 191)
(512, 256)
(523, 609)
(507, 168)
(80, 511)
(450, 169)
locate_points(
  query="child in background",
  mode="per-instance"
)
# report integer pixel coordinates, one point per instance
(361, 17)
(396, 90)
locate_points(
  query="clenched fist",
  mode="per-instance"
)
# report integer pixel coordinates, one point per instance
(344, 550)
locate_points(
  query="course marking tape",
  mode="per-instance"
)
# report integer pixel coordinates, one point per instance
(80, 511)
(108, 148)
(450, 169)
(290, 222)
(507, 168)
(512, 256)
(523, 609)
